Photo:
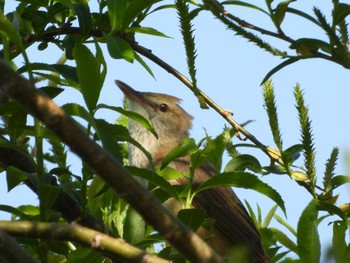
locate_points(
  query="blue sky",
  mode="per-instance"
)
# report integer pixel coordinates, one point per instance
(230, 71)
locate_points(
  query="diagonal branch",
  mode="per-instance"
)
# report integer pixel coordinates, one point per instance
(116, 176)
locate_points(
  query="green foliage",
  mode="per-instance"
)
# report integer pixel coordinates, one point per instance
(43, 163)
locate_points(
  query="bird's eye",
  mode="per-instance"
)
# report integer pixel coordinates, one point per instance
(163, 107)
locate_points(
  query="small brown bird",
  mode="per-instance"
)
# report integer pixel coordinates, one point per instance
(233, 227)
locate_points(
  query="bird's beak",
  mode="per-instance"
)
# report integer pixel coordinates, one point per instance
(132, 94)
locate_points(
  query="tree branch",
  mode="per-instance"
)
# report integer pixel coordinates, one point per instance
(115, 248)
(116, 176)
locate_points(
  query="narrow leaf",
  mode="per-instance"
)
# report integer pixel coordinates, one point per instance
(309, 247)
(132, 115)
(116, 10)
(89, 75)
(279, 67)
(82, 10)
(340, 248)
(340, 12)
(146, 30)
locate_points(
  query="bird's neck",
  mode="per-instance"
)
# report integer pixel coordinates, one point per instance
(157, 147)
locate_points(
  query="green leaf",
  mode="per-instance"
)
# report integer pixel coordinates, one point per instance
(68, 72)
(134, 227)
(243, 180)
(155, 179)
(89, 75)
(309, 247)
(84, 255)
(340, 12)
(48, 195)
(280, 12)
(285, 224)
(284, 239)
(340, 248)
(82, 10)
(7, 29)
(330, 208)
(75, 109)
(16, 212)
(186, 147)
(132, 115)
(292, 153)
(340, 180)
(134, 8)
(303, 15)
(192, 217)
(241, 3)
(242, 162)
(116, 10)
(146, 30)
(108, 134)
(269, 216)
(307, 46)
(144, 64)
(119, 48)
(14, 177)
(279, 67)
(52, 92)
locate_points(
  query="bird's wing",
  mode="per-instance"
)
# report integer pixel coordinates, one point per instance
(222, 205)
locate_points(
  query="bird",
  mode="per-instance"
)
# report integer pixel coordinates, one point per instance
(233, 228)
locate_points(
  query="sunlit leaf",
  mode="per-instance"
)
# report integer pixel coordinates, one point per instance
(116, 10)
(242, 162)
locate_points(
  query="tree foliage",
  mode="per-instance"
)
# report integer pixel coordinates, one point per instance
(102, 213)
